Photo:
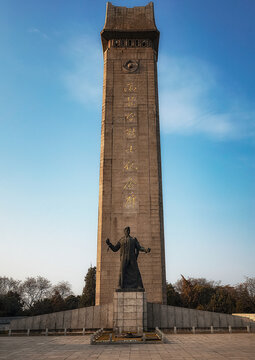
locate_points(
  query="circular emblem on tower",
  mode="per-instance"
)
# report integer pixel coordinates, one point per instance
(131, 65)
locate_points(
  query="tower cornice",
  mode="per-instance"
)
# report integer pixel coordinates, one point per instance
(130, 23)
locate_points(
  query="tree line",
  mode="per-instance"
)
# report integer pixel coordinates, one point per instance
(36, 295)
(202, 294)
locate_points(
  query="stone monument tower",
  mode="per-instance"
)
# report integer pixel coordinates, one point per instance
(130, 189)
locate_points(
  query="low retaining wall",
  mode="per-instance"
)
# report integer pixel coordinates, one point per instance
(161, 316)
(91, 317)
(166, 317)
(6, 320)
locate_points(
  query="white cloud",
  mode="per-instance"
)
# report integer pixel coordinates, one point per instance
(191, 102)
(84, 79)
(191, 99)
(39, 32)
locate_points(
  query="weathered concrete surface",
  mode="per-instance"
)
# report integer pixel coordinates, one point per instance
(166, 317)
(6, 320)
(92, 317)
(130, 184)
(188, 347)
(130, 312)
(156, 315)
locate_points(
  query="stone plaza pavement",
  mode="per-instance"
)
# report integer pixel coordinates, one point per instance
(182, 346)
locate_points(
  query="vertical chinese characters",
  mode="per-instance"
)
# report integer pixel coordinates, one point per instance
(130, 165)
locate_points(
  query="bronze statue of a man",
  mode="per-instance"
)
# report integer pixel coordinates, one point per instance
(129, 277)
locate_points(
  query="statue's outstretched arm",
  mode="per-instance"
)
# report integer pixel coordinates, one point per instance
(141, 248)
(113, 247)
(144, 250)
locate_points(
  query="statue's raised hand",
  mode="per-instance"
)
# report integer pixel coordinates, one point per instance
(107, 242)
(148, 250)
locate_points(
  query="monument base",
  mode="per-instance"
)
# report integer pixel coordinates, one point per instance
(129, 311)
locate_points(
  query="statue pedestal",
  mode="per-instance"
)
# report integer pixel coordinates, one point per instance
(129, 311)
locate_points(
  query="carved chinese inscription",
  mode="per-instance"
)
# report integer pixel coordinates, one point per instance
(130, 117)
(130, 185)
(131, 149)
(130, 87)
(131, 101)
(130, 201)
(131, 133)
(130, 166)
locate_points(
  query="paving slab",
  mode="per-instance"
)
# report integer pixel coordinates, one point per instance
(181, 347)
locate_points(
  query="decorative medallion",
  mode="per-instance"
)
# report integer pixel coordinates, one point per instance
(131, 65)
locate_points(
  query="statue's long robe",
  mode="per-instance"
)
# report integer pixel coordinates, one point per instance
(129, 277)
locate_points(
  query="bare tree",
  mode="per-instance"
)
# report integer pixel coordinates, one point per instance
(63, 288)
(9, 284)
(250, 286)
(35, 289)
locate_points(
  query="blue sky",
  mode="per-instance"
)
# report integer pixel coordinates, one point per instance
(51, 69)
